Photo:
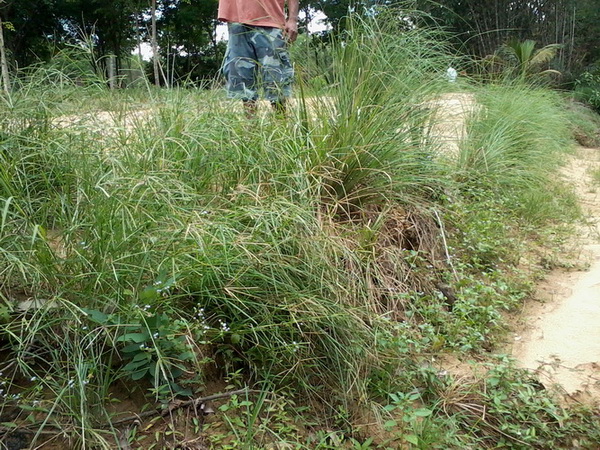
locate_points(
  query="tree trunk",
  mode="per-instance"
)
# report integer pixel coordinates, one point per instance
(112, 71)
(155, 46)
(572, 43)
(138, 37)
(3, 61)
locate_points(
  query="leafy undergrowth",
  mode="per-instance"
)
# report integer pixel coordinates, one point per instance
(188, 278)
(585, 124)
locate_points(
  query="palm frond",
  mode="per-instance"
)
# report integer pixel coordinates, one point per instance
(545, 54)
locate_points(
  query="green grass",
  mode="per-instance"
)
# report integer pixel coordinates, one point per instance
(584, 123)
(516, 137)
(182, 245)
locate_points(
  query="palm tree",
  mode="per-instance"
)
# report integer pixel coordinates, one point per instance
(522, 59)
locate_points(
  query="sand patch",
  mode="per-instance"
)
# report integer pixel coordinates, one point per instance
(561, 339)
(449, 123)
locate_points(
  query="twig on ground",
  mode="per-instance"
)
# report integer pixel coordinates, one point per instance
(443, 232)
(31, 428)
(180, 404)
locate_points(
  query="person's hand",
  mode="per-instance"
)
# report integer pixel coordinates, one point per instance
(291, 30)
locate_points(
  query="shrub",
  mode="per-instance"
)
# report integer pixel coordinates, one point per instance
(587, 89)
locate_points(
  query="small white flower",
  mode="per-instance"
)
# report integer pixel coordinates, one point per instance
(155, 335)
(147, 307)
(33, 379)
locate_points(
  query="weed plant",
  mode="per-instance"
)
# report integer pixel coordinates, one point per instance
(164, 246)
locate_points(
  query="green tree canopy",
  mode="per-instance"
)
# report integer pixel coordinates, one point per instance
(30, 29)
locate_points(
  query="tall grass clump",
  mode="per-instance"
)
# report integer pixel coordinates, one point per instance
(370, 137)
(515, 143)
(516, 137)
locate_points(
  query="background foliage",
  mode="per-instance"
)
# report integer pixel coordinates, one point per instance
(189, 48)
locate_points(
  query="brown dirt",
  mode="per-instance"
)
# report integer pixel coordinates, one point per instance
(560, 340)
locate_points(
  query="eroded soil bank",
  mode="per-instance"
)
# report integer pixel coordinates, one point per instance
(560, 339)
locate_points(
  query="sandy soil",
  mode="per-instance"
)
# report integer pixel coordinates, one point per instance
(449, 125)
(560, 341)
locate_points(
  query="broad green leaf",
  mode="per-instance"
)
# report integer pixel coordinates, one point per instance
(135, 337)
(96, 316)
(154, 322)
(181, 391)
(149, 294)
(139, 374)
(422, 412)
(414, 396)
(390, 424)
(185, 356)
(135, 365)
(412, 438)
(131, 348)
(142, 356)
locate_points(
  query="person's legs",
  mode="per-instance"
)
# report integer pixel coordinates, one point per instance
(240, 66)
(276, 72)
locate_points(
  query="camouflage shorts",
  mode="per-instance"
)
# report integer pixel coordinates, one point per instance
(257, 59)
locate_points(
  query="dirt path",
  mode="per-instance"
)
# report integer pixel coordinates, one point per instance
(560, 341)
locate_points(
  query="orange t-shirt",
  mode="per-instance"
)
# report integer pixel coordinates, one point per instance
(264, 13)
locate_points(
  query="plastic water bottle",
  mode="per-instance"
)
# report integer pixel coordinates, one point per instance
(451, 74)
